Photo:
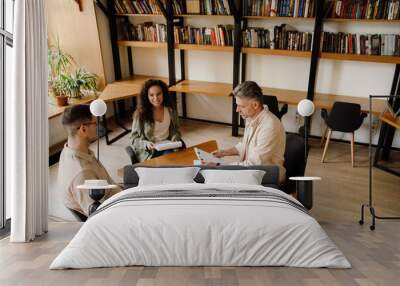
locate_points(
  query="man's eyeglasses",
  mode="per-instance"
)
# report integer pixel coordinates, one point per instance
(87, 124)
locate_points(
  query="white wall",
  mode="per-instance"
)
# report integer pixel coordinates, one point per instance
(337, 77)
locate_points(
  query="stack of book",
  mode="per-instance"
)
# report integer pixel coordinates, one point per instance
(280, 8)
(208, 7)
(281, 37)
(222, 35)
(136, 7)
(147, 31)
(363, 9)
(178, 7)
(361, 44)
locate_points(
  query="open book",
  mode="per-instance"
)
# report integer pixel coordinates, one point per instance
(167, 145)
(206, 157)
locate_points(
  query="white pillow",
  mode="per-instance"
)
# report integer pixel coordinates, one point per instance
(165, 176)
(248, 177)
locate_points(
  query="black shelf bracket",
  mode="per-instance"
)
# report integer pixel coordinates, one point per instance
(102, 7)
(237, 44)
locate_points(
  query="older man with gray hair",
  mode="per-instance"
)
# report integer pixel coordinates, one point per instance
(264, 137)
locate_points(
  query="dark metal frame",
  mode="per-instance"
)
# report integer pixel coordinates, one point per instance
(369, 205)
(6, 39)
(387, 132)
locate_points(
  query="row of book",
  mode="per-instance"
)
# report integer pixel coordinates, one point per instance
(205, 7)
(208, 7)
(136, 7)
(278, 38)
(282, 37)
(363, 9)
(221, 35)
(281, 8)
(148, 31)
(361, 44)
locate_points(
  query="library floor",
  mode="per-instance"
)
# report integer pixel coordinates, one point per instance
(375, 256)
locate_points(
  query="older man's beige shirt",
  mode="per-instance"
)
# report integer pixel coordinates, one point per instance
(74, 168)
(263, 142)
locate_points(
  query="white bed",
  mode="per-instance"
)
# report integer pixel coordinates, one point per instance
(185, 230)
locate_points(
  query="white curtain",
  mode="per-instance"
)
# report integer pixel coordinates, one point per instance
(27, 123)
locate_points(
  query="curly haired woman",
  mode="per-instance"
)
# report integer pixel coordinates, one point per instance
(155, 119)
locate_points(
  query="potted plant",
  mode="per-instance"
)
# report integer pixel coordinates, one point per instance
(59, 63)
(65, 83)
(79, 83)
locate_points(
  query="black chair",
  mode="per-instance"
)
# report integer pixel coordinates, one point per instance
(133, 157)
(78, 215)
(273, 106)
(344, 117)
(295, 161)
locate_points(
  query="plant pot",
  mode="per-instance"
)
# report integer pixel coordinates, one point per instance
(62, 100)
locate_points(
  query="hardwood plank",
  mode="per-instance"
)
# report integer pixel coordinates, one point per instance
(126, 88)
(390, 119)
(276, 52)
(55, 110)
(143, 44)
(361, 58)
(203, 87)
(193, 47)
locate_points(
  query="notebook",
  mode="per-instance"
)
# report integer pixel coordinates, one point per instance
(167, 145)
(206, 157)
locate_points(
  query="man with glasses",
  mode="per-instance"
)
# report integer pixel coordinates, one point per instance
(77, 161)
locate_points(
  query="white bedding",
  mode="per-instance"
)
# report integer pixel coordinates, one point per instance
(200, 231)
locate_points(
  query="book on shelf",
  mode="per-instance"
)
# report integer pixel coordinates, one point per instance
(214, 7)
(283, 37)
(136, 7)
(363, 9)
(221, 35)
(279, 8)
(361, 44)
(148, 31)
(167, 145)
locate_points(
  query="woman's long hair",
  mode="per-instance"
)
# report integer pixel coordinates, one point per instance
(145, 108)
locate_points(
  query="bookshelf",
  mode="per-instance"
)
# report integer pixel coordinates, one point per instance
(239, 53)
(142, 44)
(273, 52)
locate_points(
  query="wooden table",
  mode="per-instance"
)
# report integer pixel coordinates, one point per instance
(55, 110)
(390, 119)
(180, 158)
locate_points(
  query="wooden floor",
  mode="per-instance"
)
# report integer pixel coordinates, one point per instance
(375, 256)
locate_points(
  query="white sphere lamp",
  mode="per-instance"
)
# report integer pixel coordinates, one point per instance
(305, 107)
(98, 108)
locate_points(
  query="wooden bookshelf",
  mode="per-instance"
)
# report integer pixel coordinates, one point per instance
(139, 15)
(380, 21)
(361, 58)
(203, 87)
(143, 44)
(157, 45)
(194, 47)
(390, 119)
(203, 16)
(288, 96)
(279, 18)
(324, 100)
(275, 52)
(55, 110)
(126, 88)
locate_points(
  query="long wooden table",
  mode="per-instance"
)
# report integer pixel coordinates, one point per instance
(180, 158)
